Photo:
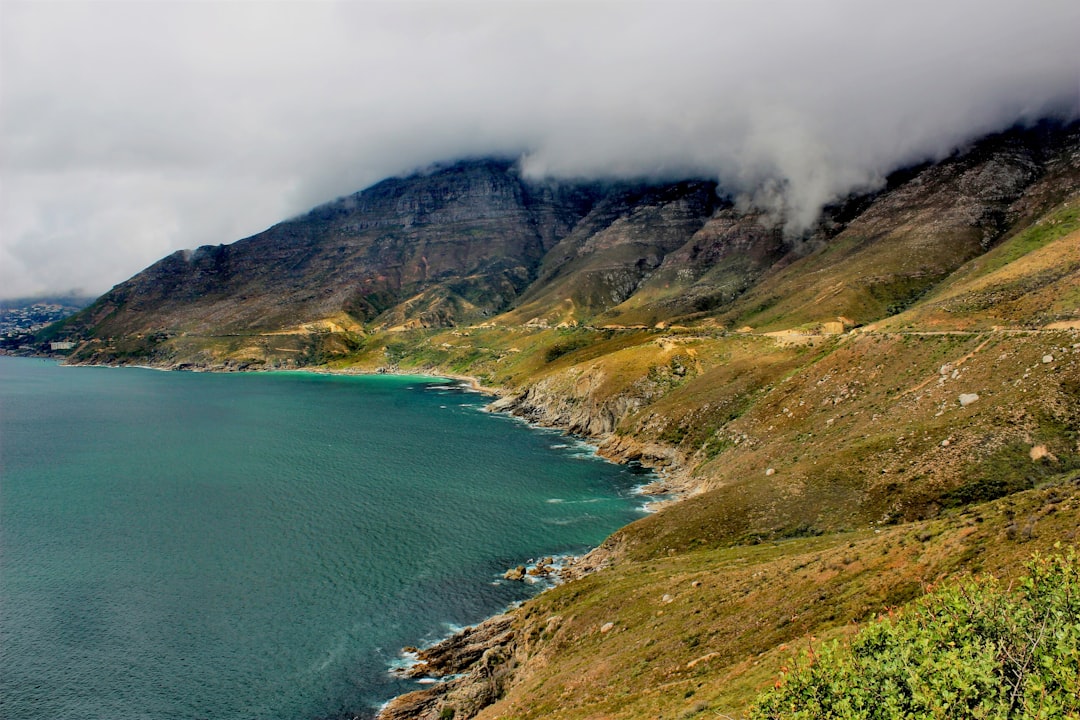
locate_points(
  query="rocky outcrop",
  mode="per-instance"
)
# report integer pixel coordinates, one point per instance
(580, 402)
(545, 403)
(461, 651)
(472, 666)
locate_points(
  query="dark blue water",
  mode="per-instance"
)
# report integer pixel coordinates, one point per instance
(179, 545)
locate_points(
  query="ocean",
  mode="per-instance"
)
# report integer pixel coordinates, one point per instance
(242, 546)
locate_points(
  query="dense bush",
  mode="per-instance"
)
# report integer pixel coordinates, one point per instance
(969, 650)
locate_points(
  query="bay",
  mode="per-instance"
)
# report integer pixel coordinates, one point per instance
(188, 545)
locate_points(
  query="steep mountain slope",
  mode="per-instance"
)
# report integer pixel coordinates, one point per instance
(461, 241)
(719, 262)
(912, 237)
(1032, 279)
(872, 256)
(604, 260)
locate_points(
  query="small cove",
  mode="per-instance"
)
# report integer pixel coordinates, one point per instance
(185, 545)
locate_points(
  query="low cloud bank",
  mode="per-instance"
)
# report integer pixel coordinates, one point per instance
(132, 129)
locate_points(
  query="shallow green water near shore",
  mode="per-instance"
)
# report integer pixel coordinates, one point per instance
(181, 545)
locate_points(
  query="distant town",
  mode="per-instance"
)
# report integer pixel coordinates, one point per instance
(21, 319)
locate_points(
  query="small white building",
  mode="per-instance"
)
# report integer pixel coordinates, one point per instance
(63, 345)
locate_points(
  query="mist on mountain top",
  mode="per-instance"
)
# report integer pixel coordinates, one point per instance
(131, 130)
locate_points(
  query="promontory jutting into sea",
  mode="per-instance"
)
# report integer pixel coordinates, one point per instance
(182, 545)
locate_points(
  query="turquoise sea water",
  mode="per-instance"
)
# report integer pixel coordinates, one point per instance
(177, 545)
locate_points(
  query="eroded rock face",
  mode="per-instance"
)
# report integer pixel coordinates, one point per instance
(617, 247)
(459, 652)
(467, 238)
(478, 656)
(575, 401)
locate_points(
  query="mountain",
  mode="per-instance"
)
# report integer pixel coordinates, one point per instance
(845, 417)
(476, 242)
(464, 240)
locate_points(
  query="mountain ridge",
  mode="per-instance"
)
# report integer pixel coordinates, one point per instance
(475, 242)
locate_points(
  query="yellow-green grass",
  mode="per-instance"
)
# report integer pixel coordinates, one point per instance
(1030, 280)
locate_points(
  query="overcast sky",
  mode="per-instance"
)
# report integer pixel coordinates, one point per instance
(132, 129)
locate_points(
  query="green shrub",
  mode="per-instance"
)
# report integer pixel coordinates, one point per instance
(565, 347)
(969, 650)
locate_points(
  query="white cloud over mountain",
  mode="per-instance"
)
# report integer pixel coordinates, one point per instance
(130, 130)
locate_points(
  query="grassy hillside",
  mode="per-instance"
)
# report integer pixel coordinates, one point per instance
(1030, 280)
(703, 632)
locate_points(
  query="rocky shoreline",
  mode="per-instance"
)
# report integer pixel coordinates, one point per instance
(470, 668)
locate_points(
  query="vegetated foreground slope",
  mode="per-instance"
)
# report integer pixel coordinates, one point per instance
(702, 633)
(891, 399)
(853, 455)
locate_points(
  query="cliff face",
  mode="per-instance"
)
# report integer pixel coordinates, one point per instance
(621, 243)
(458, 243)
